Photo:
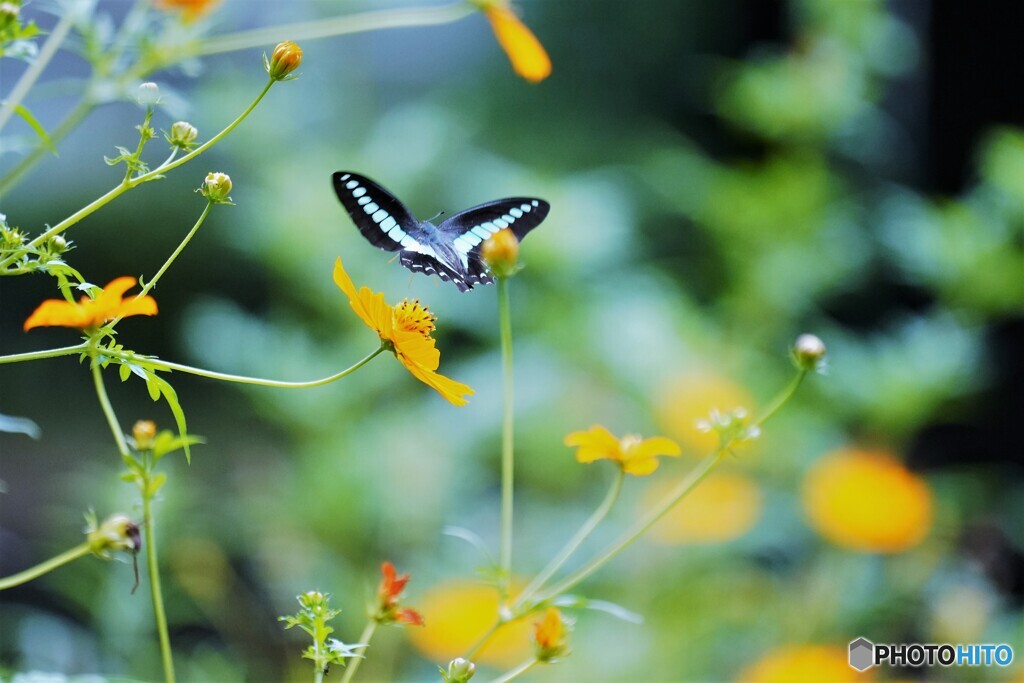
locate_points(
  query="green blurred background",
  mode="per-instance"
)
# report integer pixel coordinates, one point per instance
(723, 176)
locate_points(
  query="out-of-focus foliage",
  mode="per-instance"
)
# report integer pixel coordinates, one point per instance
(705, 210)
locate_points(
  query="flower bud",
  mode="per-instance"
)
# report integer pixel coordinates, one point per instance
(148, 94)
(57, 245)
(459, 671)
(285, 59)
(550, 636)
(216, 188)
(117, 532)
(501, 253)
(9, 13)
(143, 433)
(183, 135)
(809, 353)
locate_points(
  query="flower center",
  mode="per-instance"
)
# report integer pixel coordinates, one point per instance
(411, 316)
(628, 442)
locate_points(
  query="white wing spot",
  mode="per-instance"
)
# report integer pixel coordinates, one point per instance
(364, 200)
(388, 223)
(462, 244)
(516, 212)
(489, 227)
(409, 243)
(472, 238)
(526, 208)
(508, 219)
(480, 231)
(500, 224)
(396, 233)
(346, 177)
(378, 216)
(370, 208)
(352, 184)
(535, 202)
(359, 191)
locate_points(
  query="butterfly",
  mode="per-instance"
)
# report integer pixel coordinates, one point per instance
(451, 249)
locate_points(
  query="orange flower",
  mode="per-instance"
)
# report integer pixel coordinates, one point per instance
(405, 329)
(527, 55)
(88, 313)
(803, 664)
(550, 636)
(867, 500)
(388, 594)
(635, 456)
(190, 9)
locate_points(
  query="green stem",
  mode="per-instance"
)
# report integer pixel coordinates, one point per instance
(181, 247)
(677, 494)
(44, 567)
(335, 26)
(50, 353)
(116, 192)
(239, 379)
(507, 452)
(155, 589)
(28, 78)
(108, 410)
(517, 672)
(364, 640)
(573, 545)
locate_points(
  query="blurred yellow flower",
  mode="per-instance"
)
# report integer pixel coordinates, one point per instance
(88, 313)
(690, 399)
(527, 55)
(457, 614)
(804, 664)
(867, 500)
(406, 329)
(635, 456)
(724, 506)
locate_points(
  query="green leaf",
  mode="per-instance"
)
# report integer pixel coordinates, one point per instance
(580, 602)
(153, 386)
(157, 483)
(167, 442)
(171, 396)
(37, 127)
(124, 371)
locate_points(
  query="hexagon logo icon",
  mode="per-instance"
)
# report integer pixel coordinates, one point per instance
(862, 654)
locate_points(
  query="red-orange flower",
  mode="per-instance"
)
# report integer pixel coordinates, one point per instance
(406, 329)
(388, 594)
(88, 313)
(528, 57)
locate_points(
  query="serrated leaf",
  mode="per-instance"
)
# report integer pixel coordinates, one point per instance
(171, 396)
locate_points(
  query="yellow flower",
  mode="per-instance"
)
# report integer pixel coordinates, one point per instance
(804, 664)
(690, 399)
(635, 456)
(88, 313)
(867, 500)
(550, 636)
(528, 57)
(405, 328)
(457, 614)
(723, 507)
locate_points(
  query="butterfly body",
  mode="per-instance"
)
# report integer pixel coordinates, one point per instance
(451, 249)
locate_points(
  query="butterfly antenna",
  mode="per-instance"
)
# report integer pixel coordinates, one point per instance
(436, 216)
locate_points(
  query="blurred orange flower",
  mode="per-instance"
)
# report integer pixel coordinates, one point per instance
(458, 614)
(690, 399)
(405, 328)
(636, 456)
(550, 637)
(804, 664)
(867, 500)
(528, 57)
(88, 313)
(190, 9)
(724, 506)
(388, 594)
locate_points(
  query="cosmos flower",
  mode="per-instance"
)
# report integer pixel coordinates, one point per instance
(635, 455)
(88, 313)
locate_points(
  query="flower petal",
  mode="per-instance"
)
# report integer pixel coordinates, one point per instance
(453, 392)
(640, 467)
(527, 55)
(57, 313)
(417, 349)
(595, 444)
(656, 445)
(365, 303)
(143, 305)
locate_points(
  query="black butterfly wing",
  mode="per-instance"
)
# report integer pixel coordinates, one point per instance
(473, 226)
(378, 214)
